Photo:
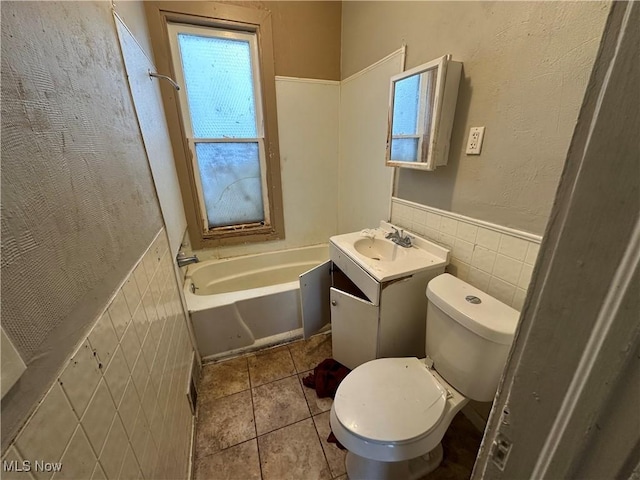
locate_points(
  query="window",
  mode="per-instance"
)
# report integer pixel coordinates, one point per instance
(226, 116)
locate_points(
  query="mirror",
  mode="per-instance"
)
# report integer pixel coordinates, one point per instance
(422, 104)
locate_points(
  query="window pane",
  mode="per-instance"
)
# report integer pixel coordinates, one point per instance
(406, 100)
(230, 176)
(219, 84)
(404, 149)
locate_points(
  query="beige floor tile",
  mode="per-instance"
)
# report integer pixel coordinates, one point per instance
(278, 404)
(333, 454)
(293, 452)
(307, 354)
(316, 405)
(240, 462)
(225, 378)
(270, 365)
(224, 422)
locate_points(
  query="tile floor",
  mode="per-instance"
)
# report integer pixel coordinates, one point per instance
(257, 421)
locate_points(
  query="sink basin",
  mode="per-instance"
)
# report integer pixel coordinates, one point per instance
(379, 249)
(384, 260)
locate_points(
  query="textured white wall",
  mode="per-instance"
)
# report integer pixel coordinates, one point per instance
(145, 92)
(525, 69)
(78, 203)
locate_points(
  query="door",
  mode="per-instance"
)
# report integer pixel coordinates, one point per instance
(314, 298)
(354, 329)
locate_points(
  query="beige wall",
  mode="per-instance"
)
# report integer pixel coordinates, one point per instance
(526, 65)
(306, 35)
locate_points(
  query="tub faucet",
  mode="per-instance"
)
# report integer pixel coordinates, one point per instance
(399, 238)
(183, 260)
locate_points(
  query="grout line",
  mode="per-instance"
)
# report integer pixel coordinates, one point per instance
(326, 459)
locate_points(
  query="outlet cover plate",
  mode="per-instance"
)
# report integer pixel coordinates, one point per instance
(474, 142)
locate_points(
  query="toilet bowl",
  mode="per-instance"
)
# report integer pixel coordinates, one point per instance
(391, 413)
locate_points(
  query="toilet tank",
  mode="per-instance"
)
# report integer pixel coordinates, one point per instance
(468, 336)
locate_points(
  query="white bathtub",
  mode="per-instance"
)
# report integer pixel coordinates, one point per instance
(245, 303)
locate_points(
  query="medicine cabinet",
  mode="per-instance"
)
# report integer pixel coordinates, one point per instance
(422, 104)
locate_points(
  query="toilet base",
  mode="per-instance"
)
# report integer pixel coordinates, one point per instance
(361, 468)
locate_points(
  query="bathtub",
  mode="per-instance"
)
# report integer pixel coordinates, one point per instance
(250, 302)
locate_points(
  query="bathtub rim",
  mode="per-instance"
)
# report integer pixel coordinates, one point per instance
(197, 303)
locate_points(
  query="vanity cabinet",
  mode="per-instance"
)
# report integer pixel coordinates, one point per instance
(369, 319)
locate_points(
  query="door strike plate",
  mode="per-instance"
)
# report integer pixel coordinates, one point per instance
(500, 451)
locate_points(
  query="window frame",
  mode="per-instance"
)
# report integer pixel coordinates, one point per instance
(226, 18)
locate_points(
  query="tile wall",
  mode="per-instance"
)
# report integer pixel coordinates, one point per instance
(495, 259)
(119, 408)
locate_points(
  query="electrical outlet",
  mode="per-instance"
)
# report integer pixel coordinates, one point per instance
(474, 143)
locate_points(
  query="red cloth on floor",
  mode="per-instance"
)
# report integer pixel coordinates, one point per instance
(326, 377)
(325, 380)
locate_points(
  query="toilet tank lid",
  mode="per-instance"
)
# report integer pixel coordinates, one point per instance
(490, 318)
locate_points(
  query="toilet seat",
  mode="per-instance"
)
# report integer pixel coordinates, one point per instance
(390, 400)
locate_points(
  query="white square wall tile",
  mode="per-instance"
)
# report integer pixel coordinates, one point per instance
(78, 460)
(129, 407)
(525, 276)
(141, 322)
(462, 250)
(117, 375)
(518, 299)
(458, 269)
(141, 435)
(532, 253)
(447, 240)
(103, 340)
(479, 279)
(501, 290)
(507, 269)
(119, 313)
(130, 468)
(114, 449)
(419, 216)
(98, 417)
(489, 239)
(140, 375)
(449, 226)
(131, 293)
(80, 378)
(433, 220)
(151, 263)
(98, 473)
(12, 457)
(467, 232)
(130, 345)
(513, 247)
(142, 279)
(431, 234)
(483, 259)
(417, 228)
(48, 432)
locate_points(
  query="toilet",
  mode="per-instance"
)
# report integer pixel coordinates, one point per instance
(391, 413)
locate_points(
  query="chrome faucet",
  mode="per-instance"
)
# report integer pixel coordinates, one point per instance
(399, 238)
(183, 260)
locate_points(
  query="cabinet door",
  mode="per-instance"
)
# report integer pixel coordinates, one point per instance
(354, 329)
(314, 298)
